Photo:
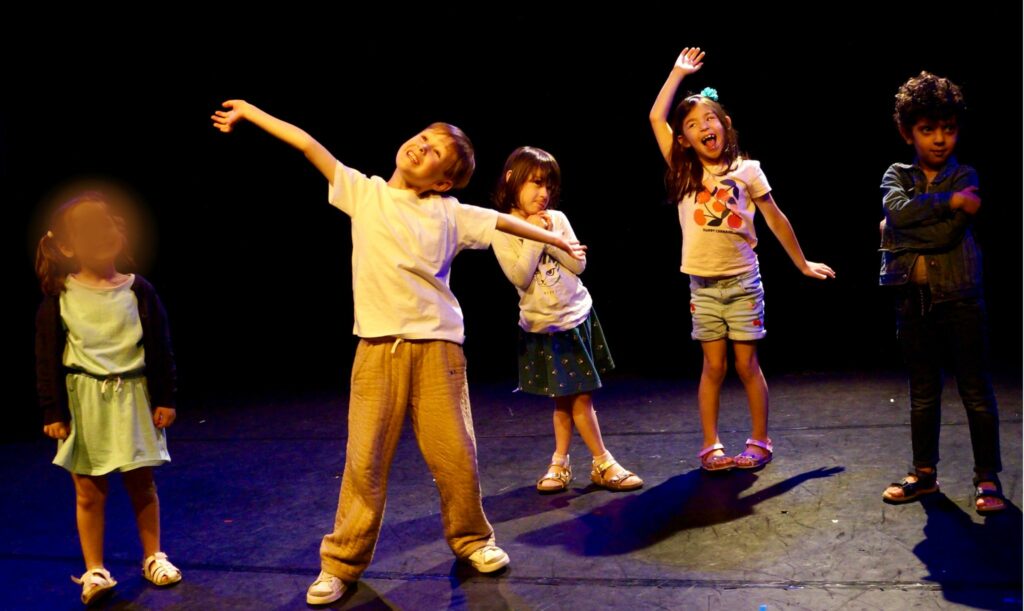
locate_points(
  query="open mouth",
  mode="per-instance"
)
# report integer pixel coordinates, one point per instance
(710, 140)
(412, 157)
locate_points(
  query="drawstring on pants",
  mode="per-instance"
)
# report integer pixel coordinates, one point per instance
(394, 346)
(117, 385)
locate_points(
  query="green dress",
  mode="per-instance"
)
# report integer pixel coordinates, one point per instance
(111, 422)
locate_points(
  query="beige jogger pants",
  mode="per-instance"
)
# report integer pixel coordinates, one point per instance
(428, 378)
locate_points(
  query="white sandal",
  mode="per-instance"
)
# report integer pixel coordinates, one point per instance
(95, 583)
(159, 571)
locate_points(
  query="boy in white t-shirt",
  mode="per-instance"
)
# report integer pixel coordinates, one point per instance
(405, 233)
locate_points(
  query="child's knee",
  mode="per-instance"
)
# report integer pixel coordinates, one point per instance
(747, 368)
(91, 497)
(140, 486)
(715, 369)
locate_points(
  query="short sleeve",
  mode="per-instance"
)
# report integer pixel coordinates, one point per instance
(750, 174)
(347, 188)
(474, 226)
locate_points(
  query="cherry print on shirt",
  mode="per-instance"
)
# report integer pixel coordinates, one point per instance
(718, 206)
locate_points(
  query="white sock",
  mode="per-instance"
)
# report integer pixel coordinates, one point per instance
(603, 457)
(559, 459)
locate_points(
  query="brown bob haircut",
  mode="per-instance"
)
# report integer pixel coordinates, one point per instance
(519, 167)
(460, 170)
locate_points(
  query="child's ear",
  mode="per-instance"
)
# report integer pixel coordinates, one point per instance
(508, 176)
(907, 137)
(64, 250)
(683, 142)
(728, 121)
(442, 186)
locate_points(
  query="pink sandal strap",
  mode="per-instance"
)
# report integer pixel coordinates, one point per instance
(764, 445)
(711, 448)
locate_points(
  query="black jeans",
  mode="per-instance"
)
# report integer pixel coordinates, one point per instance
(953, 332)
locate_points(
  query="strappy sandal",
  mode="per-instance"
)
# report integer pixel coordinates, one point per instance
(617, 482)
(95, 583)
(715, 463)
(562, 474)
(748, 460)
(924, 483)
(981, 493)
(159, 571)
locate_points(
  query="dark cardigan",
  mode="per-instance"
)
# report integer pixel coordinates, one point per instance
(51, 339)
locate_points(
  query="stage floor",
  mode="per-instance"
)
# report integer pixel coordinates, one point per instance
(252, 489)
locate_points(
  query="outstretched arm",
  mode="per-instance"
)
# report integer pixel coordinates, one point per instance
(783, 230)
(239, 110)
(688, 62)
(510, 224)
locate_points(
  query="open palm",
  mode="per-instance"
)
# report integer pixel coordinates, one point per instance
(690, 60)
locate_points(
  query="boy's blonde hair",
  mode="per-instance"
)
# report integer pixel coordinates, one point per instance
(461, 168)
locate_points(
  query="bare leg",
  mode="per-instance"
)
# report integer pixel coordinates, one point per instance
(562, 419)
(711, 378)
(583, 415)
(142, 492)
(749, 370)
(90, 509)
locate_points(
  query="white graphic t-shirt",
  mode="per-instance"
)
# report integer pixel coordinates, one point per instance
(718, 222)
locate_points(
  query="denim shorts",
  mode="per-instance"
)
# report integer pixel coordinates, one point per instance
(731, 307)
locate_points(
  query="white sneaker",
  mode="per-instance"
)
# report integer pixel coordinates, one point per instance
(326, 589)
(488, 559)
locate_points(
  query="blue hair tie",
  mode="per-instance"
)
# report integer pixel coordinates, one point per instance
(710, 93)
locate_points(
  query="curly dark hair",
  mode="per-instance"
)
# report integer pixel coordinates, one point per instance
(927, 96)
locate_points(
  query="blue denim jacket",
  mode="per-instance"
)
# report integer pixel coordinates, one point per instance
(919, 220)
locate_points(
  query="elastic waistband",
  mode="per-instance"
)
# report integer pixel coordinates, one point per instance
(127, 375)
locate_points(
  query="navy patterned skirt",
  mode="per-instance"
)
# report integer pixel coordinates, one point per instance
(564, 363)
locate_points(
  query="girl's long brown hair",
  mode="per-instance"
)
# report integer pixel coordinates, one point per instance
(685, 173)
(52, 267)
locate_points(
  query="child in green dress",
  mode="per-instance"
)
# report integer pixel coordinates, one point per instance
(105, 378)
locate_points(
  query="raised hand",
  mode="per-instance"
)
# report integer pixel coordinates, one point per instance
(225, 120)
(966, 200)
(689, 61)
(819, 271)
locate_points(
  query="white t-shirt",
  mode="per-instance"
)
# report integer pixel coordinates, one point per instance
(551, 296)
(718, 222)
(402, 251)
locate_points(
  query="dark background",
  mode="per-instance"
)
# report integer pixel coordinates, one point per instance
(253, 265)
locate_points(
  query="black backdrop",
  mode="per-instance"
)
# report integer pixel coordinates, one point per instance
(254, 266)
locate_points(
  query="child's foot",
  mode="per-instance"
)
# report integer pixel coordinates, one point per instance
(988, 497)
(95, 583)
(159, 571)
(912, 487)
(488, 559)
(713, 458)
(326, 589)
(609, 474)
(758, 454)
(557, 478)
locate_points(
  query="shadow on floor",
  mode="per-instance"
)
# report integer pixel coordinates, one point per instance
(978, 565)
(692, 500)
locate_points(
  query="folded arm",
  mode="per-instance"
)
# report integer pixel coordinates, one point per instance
(518, 259)
(517, 227)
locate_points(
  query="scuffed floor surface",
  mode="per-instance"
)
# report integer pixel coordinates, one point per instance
(253, 488)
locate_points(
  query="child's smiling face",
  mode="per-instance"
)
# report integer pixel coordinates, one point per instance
(933, 140)
(704, 132)
(424, 159)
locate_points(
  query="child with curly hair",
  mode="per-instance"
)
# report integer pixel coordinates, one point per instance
(933, 263)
